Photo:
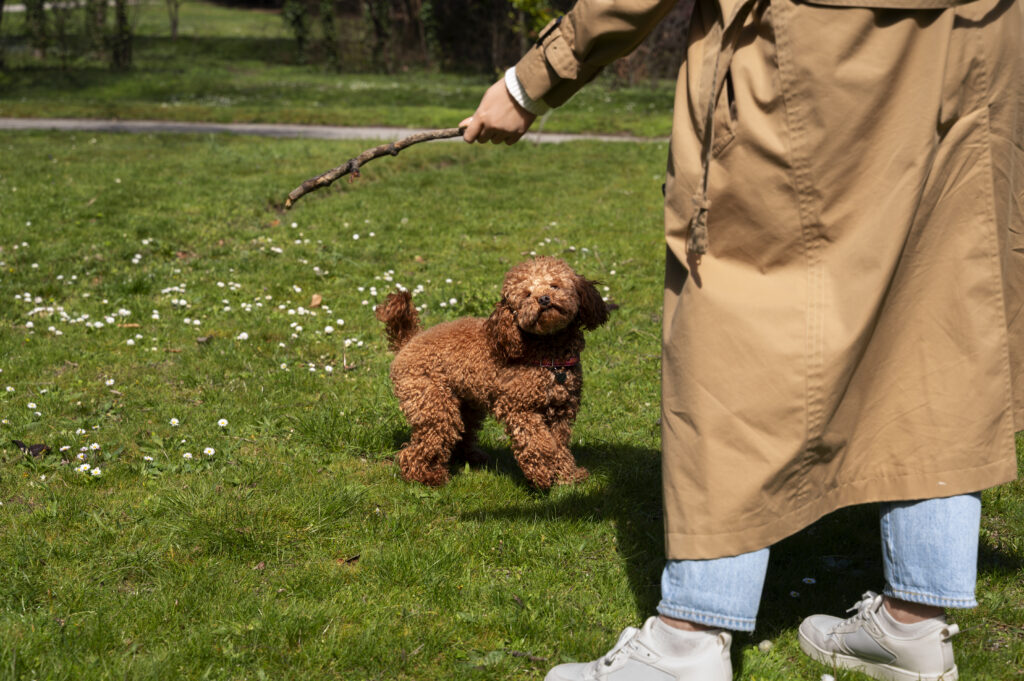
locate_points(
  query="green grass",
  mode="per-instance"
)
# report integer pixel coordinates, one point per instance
(236, 65)
(295, 551)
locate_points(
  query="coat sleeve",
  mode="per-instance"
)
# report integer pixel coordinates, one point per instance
(574, 48)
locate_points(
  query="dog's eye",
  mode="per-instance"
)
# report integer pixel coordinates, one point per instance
(554, 286)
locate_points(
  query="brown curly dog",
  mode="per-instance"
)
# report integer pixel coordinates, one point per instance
(522, 364)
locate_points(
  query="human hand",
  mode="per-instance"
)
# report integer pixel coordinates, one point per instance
(498, 118)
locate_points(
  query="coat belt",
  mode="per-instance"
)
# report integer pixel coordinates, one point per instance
(722, 39)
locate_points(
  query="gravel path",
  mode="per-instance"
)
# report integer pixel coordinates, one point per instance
(325, 132)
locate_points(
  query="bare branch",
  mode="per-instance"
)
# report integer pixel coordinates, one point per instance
(352, 166)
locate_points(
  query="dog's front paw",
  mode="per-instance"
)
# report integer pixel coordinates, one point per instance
(430, 477)
(414, 469)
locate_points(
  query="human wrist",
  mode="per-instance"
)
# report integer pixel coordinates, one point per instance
(518, 94)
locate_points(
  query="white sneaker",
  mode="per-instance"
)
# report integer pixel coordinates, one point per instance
(875, 644)
(644, 655)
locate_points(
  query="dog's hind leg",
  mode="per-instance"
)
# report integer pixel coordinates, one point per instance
(466, 450)
(433, 413)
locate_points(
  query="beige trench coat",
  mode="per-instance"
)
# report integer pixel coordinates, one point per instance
(855, 330)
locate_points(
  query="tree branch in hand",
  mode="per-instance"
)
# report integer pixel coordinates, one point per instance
(352, 166)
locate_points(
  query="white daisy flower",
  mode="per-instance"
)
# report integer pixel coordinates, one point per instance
(32, 405)
(109, 381)
(96, 472)
(187, 456)
(223, 423)
(174, 422)
(147, 458)
(83, 468)
(209, 451)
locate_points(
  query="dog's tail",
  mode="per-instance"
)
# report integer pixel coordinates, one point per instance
(401, 321)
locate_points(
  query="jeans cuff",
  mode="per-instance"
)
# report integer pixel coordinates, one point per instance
(917, 595)
(708, 619)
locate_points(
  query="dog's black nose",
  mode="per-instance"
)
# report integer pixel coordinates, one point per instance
(544, 300)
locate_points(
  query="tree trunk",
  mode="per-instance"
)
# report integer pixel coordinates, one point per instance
(95, 25)
(1, 35)
(35, 23)
(415, 27)
(121, 41)
(173, 9)
(378, 11)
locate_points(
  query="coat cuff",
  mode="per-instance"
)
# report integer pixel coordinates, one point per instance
(549, 71)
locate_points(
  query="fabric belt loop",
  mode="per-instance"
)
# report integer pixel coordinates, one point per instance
(722, 37)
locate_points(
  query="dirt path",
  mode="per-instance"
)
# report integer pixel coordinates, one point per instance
(326, 132)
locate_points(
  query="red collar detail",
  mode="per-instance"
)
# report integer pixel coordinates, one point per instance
(556, 363)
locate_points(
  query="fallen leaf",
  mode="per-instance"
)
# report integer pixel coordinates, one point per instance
(203, 339)
(316, 300)
(349, 561)
(260, 565)
(128, 326)
(418, 258)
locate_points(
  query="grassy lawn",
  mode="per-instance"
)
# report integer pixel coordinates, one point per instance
(235, 65)
(145, 283)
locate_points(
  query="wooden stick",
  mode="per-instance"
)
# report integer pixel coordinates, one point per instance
(352, 165)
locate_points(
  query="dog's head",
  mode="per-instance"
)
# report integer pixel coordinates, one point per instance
(542, 297)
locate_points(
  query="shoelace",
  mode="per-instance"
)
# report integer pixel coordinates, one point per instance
(625, 637)
(863, 608)
(867, 604)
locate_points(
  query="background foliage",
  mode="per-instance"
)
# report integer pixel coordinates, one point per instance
(384, 36)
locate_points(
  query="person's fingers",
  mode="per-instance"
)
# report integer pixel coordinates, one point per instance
(473, 129)
(465, 121)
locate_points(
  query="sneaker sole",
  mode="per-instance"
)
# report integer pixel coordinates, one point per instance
(874, 669)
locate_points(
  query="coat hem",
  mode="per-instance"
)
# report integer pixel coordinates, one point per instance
(683, 546)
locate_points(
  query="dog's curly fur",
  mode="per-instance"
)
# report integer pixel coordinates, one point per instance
(448, 377)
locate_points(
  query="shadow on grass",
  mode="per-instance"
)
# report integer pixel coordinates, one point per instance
(822, 569)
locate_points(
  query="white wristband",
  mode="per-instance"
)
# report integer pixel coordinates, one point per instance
(515, 88)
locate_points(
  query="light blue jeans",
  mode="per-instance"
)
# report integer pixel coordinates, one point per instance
(930, 556)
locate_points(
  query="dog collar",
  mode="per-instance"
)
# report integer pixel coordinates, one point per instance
(556, 363)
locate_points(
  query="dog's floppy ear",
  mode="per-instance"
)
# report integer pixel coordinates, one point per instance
(593, 311)
(503, 333)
